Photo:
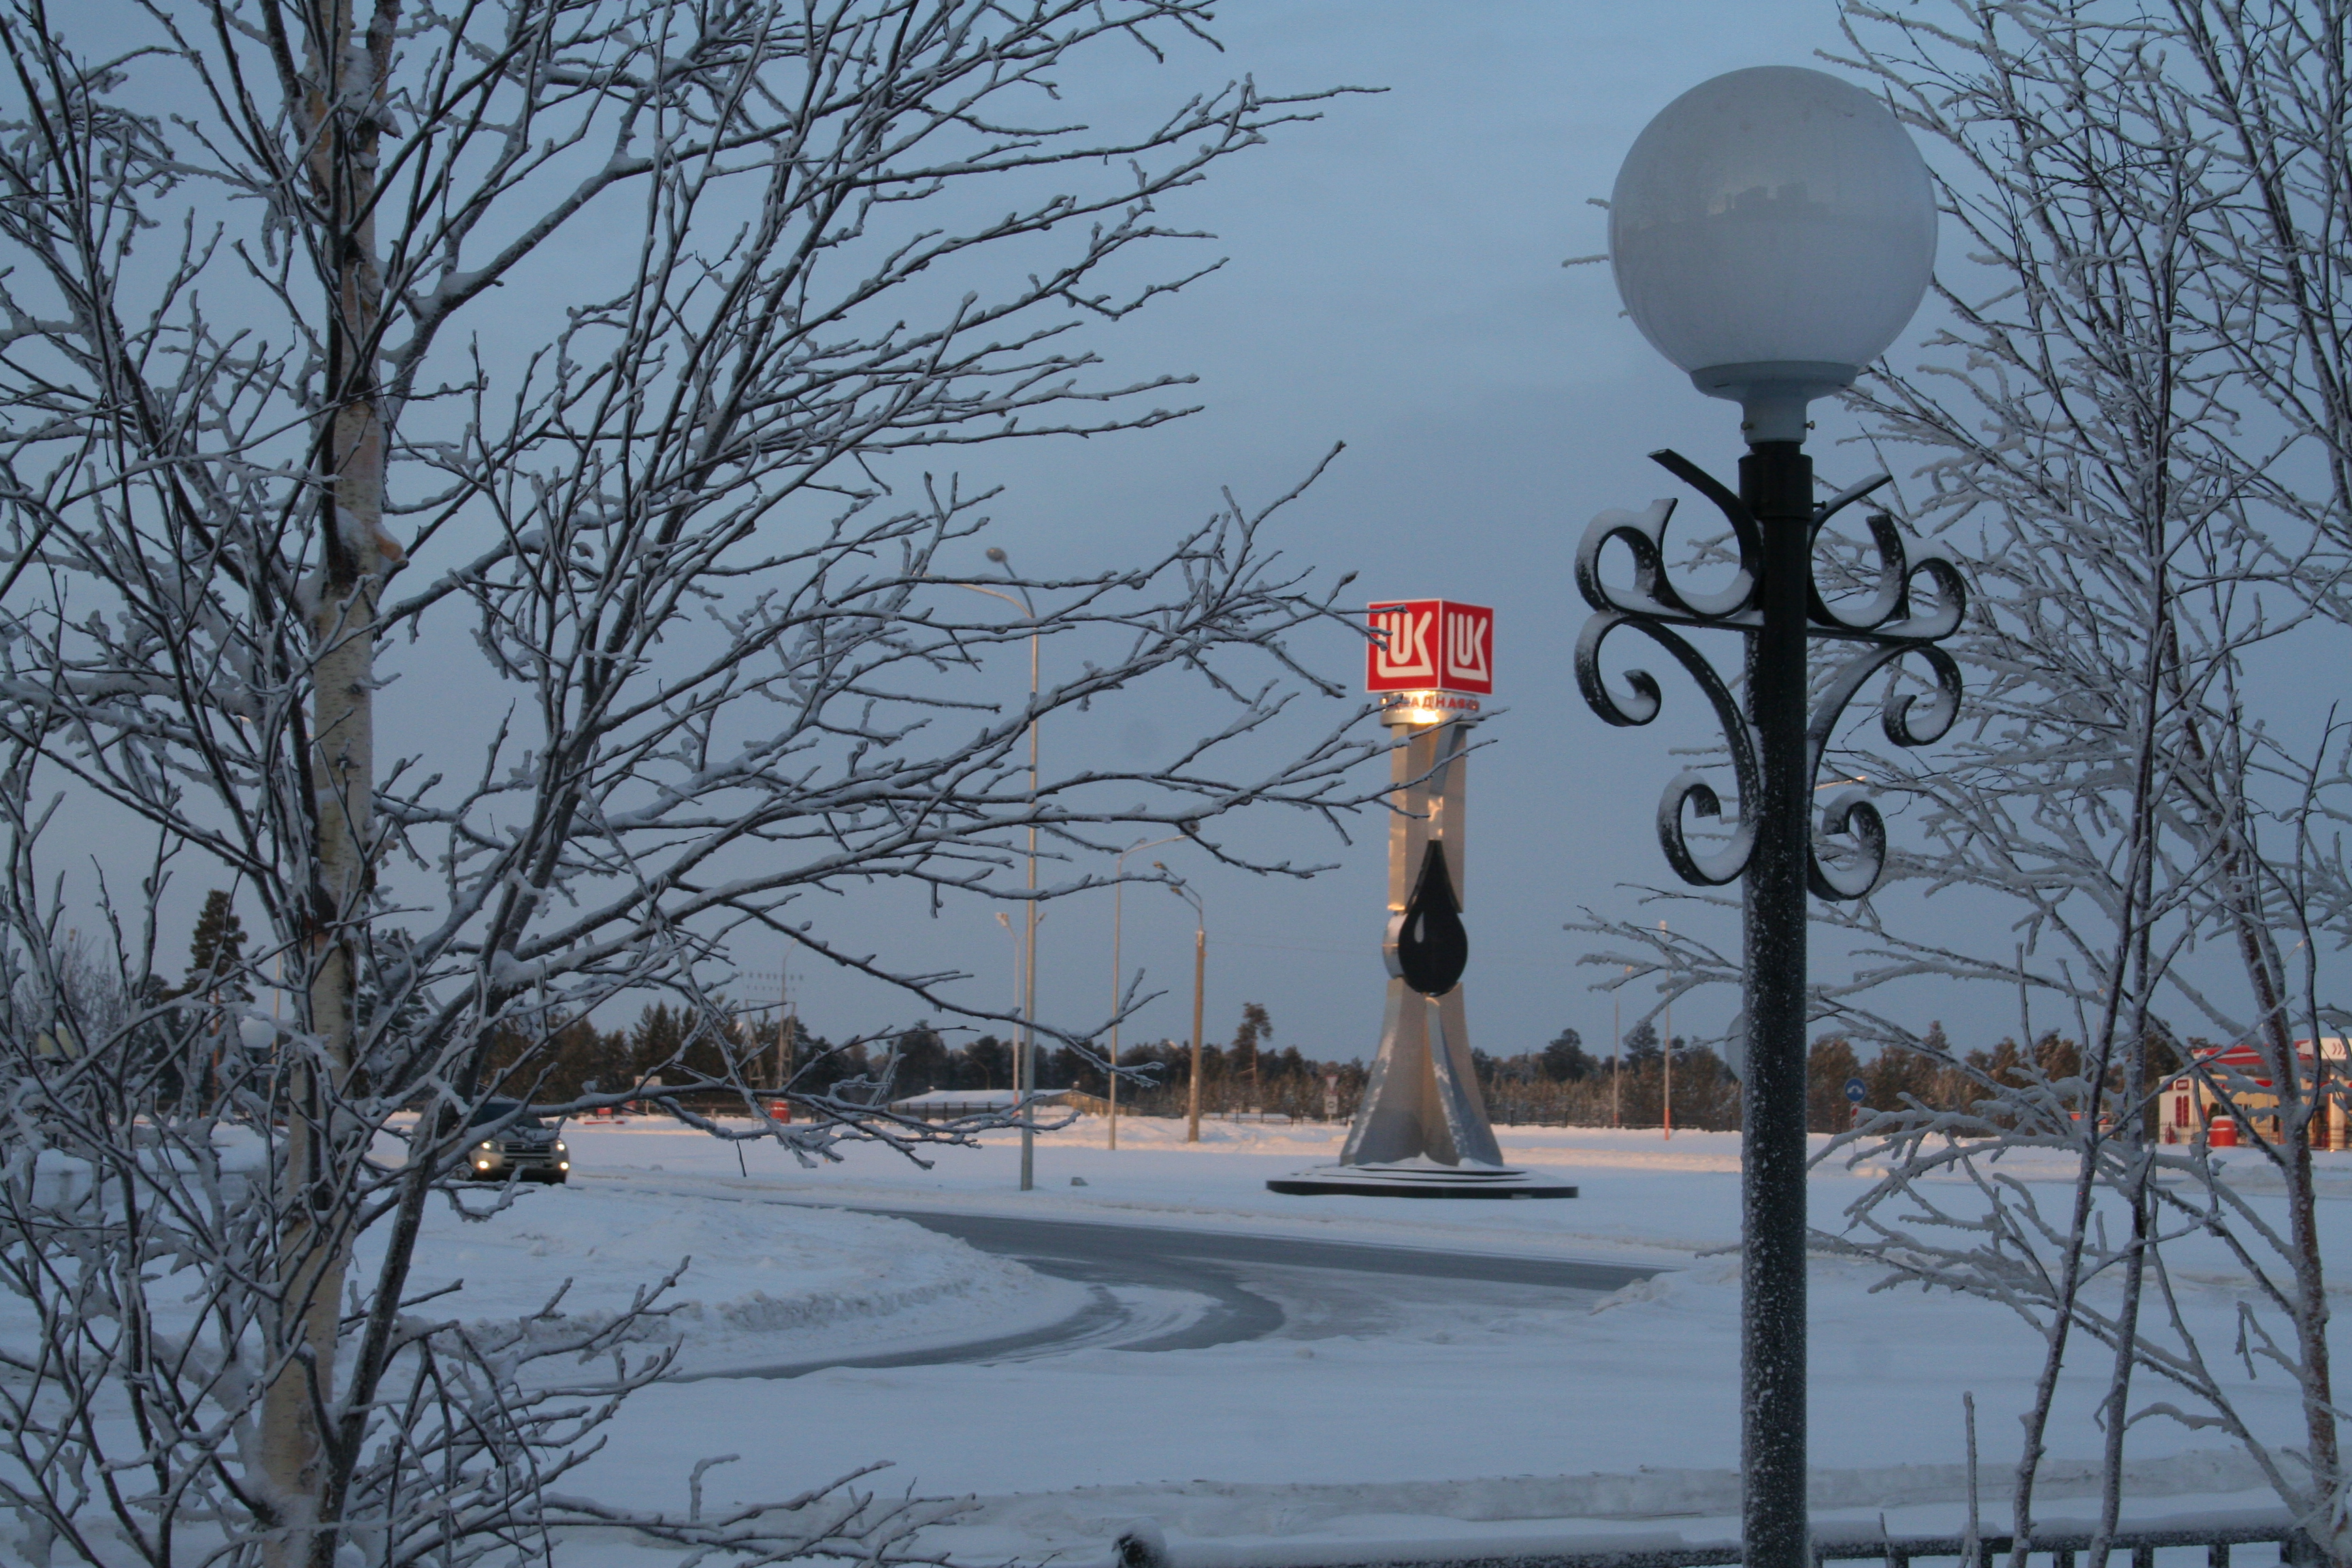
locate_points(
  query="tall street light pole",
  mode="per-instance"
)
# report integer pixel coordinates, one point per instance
(1200, 979)
(1005, 920)
(1118, 894)
(1024, 1059)
(1771, 232)
(1666, 1059)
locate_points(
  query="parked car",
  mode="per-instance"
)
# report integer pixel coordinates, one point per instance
(517, 1144)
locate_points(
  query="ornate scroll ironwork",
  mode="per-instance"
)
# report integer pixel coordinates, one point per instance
(1888, 626)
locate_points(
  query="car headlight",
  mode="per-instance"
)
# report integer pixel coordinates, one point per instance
(559, 1147)
(485, 1147)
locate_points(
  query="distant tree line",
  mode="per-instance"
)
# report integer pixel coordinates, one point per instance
(1937, 1079)
(1561, 1085)
(1564, 1085)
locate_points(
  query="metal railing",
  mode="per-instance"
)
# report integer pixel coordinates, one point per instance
(2060, 1545)
(2064, 1545)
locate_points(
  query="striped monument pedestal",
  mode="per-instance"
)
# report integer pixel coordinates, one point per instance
(1421, 1178)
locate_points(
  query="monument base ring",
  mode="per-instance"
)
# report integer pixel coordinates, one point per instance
(1419, 1179)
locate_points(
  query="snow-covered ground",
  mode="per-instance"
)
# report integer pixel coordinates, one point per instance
(1389, 1412)
(1543, 1412)
(822, 1284)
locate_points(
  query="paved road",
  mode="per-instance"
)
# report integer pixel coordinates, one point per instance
(1140, 1246)
(1247, 1287)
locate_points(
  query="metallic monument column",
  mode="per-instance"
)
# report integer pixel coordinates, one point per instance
(1421, 1129)
(1422, 1098)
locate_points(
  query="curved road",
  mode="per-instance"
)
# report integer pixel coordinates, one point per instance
(1238, 1286)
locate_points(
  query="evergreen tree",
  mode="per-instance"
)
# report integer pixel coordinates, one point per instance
(585, 1055)
(653, 1044)
(824, 1066)
(985, 1064)
(2059, 1056)
(1896, 1073)
(2007, 1063)
(1642, 1047)
(1706, 1096)
(216, 952)
(1067, 1068)
(1256, 1025)
(923, 1063)
(1564, 1060)
(1828, 1065)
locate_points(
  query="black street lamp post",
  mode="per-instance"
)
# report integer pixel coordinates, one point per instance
(1771, 232)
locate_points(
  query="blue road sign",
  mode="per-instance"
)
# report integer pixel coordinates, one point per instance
(1854, 1090)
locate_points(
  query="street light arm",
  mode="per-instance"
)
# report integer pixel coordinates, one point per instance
(1120, 865)
(1022, 603)
(996, 552)
(1183, 891)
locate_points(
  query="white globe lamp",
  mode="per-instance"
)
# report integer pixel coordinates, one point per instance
(1771, 232)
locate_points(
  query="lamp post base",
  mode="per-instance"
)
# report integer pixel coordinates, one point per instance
(1419, 1179)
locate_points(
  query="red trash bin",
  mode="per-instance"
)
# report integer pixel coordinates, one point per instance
(2221, 1133)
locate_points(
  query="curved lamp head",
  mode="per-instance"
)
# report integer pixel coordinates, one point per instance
(1771, 232)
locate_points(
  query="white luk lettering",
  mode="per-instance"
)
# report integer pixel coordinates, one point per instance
(1407, 654)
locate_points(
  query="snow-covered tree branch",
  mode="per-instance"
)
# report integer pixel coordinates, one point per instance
(2102, 434)
(2129, 429)
(601, 339)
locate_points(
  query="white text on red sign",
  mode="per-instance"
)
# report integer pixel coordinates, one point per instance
(1430, 645)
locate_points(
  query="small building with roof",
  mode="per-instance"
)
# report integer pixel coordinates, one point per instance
(2190, 1108)
(955, 1104)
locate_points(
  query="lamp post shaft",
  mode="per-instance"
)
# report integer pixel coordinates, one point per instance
(1776, 482)
(1028, 1065)
(1118, 907)
(1118, 896)
(1774, 328)
(1024, 988)
(1200, 980)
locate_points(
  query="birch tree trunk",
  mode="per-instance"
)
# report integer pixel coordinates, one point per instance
(341, 118)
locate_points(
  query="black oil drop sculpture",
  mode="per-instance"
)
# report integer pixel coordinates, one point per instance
(1433, 949)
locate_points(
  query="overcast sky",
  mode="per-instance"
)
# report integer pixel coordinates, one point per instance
(1396, 283)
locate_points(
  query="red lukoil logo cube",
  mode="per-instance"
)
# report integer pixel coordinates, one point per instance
(1430, 645)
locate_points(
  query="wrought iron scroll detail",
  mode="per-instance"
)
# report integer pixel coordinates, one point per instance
(1889, 625)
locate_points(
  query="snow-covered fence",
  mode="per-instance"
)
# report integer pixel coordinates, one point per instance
(2060, 1540)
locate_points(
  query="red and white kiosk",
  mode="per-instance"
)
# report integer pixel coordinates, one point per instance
(2190, 1106)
